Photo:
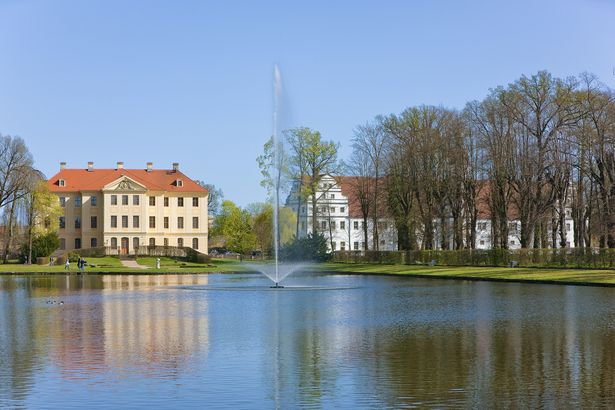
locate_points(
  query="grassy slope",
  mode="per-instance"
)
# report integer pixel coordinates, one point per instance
(113, 265)
(577, 276)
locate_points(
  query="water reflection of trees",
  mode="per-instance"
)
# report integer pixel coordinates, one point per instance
(521, 358)
(100, 327)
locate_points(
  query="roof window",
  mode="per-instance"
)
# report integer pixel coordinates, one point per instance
(61, 182)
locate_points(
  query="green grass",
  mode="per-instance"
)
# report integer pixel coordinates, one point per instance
(110, 264)
(574, 276)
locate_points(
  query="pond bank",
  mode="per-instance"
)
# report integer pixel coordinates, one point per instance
(576, 277)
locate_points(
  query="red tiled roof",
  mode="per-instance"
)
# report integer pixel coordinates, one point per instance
(349, 186)
(95, 180)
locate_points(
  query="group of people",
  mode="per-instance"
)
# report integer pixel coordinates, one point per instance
(81, 262)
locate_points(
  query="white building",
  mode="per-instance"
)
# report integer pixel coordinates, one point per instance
(339, 218)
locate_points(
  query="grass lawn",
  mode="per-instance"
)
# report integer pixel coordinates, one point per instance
(564, 276)
(110, 264)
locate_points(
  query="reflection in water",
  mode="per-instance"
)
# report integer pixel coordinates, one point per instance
(136, 341)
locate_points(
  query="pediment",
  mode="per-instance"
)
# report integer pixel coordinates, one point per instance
(124, 183)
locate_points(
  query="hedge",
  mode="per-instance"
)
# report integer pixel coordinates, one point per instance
(545, 258)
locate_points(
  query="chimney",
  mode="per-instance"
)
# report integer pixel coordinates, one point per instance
(176, 166)
(150, 166)
(62, 166)
(120, 165)
(90, 166)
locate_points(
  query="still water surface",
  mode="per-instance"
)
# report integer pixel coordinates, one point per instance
(377, 342)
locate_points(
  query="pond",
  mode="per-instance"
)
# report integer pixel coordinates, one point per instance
(228, 341)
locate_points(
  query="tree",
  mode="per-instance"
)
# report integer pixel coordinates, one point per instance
(214, 198)
(369, 153)
(315, 158)
(262, 215)
(42, 211)
(235, 225)
(312, 247)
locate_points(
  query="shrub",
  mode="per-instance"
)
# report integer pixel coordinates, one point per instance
(42, 246)
(309, 248)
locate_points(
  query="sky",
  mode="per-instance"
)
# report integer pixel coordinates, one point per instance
(191, 81)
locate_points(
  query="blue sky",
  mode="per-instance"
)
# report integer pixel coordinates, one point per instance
(191, 81)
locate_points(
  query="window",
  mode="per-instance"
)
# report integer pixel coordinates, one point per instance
(332, 224)
(382, 242)
(62, 243)
(342, 224)
(152, 221)
(124, 221)
(568, 227)
(180, 201)
(166, 201)
(124, 199)
(77, 202)
(62, 201)
(363, 246)
(512, 227)
(62, 222)
(179, 182)
(355, 246)
(195, 243)
(323, 224)
(135, 243)
(180, 242)
(135, 221)
(114, 221)
(482, 226)
(567, 244)
(166, 241)
(332, 196)
(152, 201)
(180, 222)
(355, 224)
(77, 243)
(114, 243)
(77, 222)
(61, 182)
(93, 243)
(152, 241)
(342, 246)
(195, 201)
(512, 242)
(195, 222)
(332, 209)
(332, 246)
(135, 199)
(166, 222)
(482, 243)
(113, 199)
(342, 209)
(93, 200)
(93, 222)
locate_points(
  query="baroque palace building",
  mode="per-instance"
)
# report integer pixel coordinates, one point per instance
(125, 209)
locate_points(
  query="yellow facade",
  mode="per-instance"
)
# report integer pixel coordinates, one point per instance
(121, 218)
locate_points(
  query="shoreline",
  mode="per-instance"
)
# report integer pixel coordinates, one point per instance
(541, 276)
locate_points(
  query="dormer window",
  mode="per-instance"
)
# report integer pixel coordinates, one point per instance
(179, 182)
(61, 182)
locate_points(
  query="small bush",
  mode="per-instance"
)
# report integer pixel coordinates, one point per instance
(73, 256)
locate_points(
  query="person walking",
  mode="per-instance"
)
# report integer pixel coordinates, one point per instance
(67, 264)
